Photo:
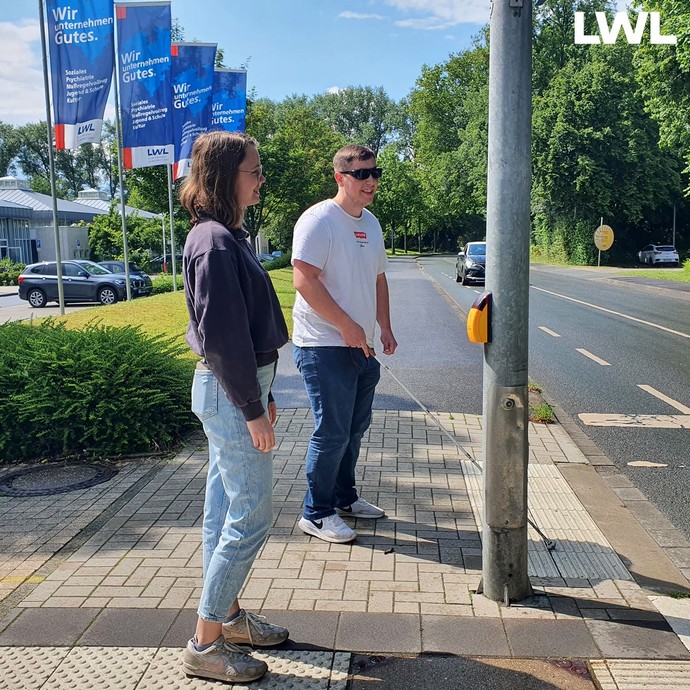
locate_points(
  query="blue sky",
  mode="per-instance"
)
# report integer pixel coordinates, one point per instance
(292, 46)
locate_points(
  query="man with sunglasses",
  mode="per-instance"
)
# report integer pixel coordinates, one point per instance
(339, 264)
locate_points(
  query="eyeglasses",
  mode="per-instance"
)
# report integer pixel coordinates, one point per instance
(363, 173)
(257, 173)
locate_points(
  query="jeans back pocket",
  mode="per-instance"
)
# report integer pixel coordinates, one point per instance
(204, 395)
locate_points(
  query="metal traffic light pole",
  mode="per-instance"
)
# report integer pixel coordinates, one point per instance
(504, 548)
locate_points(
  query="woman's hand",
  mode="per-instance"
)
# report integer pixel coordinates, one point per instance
(261, 431)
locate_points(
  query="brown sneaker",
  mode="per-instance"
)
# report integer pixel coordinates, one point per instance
(248, 628)
(222, 661)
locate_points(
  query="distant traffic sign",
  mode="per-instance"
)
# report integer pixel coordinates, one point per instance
(603, 238)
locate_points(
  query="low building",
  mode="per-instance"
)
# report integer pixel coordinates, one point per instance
(27, 234)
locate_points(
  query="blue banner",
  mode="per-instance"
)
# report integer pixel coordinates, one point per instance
(230, 100)
(80, 37)
(192, 98)
(145, 72)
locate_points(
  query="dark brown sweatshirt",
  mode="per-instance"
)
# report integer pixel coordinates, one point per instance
(235, 321)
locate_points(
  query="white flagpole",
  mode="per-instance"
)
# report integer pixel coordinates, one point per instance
(165, 251)
(173, 250)
(51, 159)
(120, 170)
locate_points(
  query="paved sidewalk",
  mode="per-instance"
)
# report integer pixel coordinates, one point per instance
(98, 588)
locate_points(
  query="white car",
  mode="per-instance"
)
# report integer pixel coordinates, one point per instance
(658, 254)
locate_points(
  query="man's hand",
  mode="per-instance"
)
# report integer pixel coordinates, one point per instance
(261, 431)
(354, 336)
(388, 341)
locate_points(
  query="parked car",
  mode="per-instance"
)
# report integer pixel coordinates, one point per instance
(265, 258)
(471, 263)
(83, 281)
(658, 254)
(143, 288)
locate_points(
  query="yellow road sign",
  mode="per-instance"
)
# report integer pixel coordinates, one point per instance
(603, 237)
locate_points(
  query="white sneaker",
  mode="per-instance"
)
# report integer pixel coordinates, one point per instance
(362, 509)
(331, 528)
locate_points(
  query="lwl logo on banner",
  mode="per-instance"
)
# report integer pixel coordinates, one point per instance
(622, 21)
(144, 69)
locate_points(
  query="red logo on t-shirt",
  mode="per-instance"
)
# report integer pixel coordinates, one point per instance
(361, 235)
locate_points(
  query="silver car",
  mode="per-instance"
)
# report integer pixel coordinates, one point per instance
(658, 254)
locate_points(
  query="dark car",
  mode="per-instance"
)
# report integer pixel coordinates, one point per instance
(141, 285)
(471, 263)
(83, 281)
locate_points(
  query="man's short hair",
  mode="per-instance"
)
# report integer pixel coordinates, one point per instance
(352, 152)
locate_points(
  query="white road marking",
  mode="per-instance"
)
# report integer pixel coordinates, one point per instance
(594, 358)
(673, 403)
(650, 421)
(646, 463)
(549, 331)
(615, 313)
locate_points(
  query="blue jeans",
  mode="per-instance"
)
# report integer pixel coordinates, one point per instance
(340, 383)
(238, 509)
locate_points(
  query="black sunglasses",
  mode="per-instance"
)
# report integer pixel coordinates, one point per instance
(363, 173)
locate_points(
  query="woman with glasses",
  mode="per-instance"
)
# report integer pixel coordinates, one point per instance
(339, 273)
(236, 326)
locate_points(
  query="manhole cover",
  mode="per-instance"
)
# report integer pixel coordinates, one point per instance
(47, 480)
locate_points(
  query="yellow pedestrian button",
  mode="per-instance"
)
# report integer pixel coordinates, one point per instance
(479, 319)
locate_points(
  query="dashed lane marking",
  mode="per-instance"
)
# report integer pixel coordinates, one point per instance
(650, 421)
(673, 403)
(653, 421)
(549, 331)
(594, 358)
(615, 313)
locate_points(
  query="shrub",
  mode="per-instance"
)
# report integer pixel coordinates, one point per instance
(282, 261)
(9, 271)
(164, 283)
(99, 391)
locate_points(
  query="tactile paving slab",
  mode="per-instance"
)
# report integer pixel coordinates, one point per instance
(27, 668)
(582, 551)
(625, 674)
(127, 668)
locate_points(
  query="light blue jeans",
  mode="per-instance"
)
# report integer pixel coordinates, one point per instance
(238, 509)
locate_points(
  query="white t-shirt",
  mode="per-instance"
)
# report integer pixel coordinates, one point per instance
(351, 254)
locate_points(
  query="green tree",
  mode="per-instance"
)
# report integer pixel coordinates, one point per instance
(296, 157)
(398, 203)
(144, 237)
(361, 114)
(9, 146)
(596, 153)
(449, 113)
(664, 76)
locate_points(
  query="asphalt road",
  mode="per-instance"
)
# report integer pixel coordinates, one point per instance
(434, 359)
(14, 309)
(618, 347)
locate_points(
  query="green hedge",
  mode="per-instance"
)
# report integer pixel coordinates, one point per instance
(100, 391)
(9, 272)
(164, 283)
